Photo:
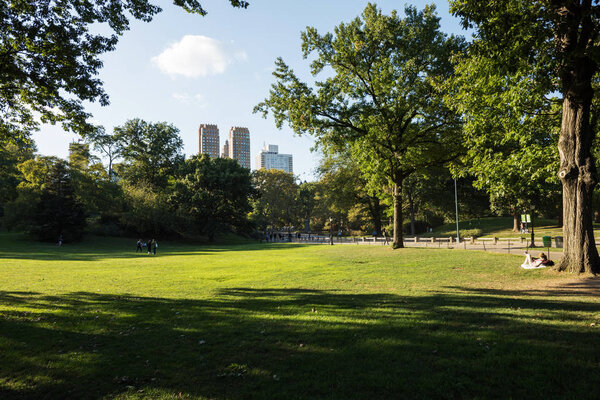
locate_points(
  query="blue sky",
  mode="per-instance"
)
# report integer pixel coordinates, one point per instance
(186, 70)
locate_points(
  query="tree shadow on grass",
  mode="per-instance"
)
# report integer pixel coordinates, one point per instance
(298, 343)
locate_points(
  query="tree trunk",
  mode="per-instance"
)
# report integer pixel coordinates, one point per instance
(398, 242)
(516, 222)
(578, 175)
(375, 211)
(411, 207)
(576, 38)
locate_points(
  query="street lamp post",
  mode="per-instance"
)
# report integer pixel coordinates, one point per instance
(456, 205)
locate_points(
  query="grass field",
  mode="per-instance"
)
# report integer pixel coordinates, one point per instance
(95, 320)
(500, 227)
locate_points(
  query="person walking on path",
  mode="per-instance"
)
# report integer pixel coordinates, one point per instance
(149, 246)
(138, 246)
(386, 236)
(60, 240)
(154, 246)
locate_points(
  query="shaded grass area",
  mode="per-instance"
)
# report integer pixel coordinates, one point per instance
(291, 322)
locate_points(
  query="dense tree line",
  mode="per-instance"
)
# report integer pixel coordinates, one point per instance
(147, 187)
(151, 190)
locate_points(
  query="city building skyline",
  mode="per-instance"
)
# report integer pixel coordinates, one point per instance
(225, 151)
(208, 140)
(270, 158)
(239, 145)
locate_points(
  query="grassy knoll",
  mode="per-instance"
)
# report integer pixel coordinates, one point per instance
(500, 227)
(95, 320)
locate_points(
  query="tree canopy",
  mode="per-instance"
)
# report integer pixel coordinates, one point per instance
(277, 204)
(215, 193)
(510, 126)
(150, 151)
(50, 57)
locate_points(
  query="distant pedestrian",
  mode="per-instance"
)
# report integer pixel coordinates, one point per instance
(60, 240)
(386, 236)
(138, 246)
(149, 246)
(154, 246)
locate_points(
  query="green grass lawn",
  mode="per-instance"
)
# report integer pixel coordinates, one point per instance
(95, 320)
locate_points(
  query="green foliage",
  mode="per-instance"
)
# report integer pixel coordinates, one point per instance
(151, 151)
(552, 47)
(50, 56)
(306, 203)
(510, 130)
(214, 194)
(33, 175)
(345, 193)
(107, 145)
(277, 203)
(58, 212)
(380, 100)
(147, 211)
(11, 155)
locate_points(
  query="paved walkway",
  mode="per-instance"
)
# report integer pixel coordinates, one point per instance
(507, 245)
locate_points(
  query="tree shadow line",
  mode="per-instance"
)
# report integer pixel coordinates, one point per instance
(47, 252)
(298, 343)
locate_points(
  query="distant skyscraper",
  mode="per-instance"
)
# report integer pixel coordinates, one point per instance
(239, 145)
(208, 140)
(269, 158)
(225, 152)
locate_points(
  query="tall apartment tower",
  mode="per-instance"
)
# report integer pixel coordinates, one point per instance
(239, 145)
(225, 152)
(208, 140)
(269, 158)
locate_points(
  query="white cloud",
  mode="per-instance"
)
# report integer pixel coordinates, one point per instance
(197, 56)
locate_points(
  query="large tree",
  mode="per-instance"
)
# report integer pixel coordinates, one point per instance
(380, 95)
(555, 42)
(58, 212)
(214, 194)
(151, 151)
(50, 56)
(276, 204)
(106, 144)
(345, 191)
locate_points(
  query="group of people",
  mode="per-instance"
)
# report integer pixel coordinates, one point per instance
(151, 246)
(271, 236)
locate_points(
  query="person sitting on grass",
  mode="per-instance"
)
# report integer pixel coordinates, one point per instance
(540, 262)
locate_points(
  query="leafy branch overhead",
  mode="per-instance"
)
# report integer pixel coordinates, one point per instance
(49, 58)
